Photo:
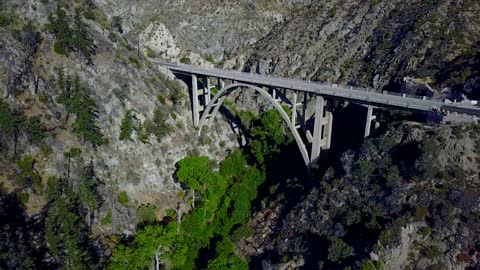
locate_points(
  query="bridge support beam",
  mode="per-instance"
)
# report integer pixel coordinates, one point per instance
(215, 111)
(221, 84)
(206, 91)
(328, 130)
(370, 118)
(195, 105)
(294, 109)
(317, 130)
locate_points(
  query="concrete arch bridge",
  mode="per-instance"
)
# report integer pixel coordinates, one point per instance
(297, 95)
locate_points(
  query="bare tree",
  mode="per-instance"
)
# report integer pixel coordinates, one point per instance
(158, 262)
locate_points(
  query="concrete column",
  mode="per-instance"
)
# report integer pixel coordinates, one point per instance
(317, 129)
(206, 91)
(294, 109)
(195, 107)
(304, 107)
(370, 118)
(209, 89)
(221, 84)
(328, 130)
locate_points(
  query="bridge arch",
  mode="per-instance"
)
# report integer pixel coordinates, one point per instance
(217, 101)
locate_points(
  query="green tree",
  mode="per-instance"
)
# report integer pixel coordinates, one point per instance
(227, 258)
(87, 184)
(146, 214)
(59, 25)
(30, 37)
(85, 110)
(71, 154)
(127, 126)
(34, 129)
(142, 134)
(81, 39)
(64, 88)
(66, 235)
(13, 125)
(7, 120)
(223, 203)
(159, 126)
(52, 190)
(339, 250)
(31, 176)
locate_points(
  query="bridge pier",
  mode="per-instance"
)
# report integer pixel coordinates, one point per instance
(294, 109)
(317, 129)
(221, 84)
(322, 130)
(206, 91)
(370, 118)
(195, 105)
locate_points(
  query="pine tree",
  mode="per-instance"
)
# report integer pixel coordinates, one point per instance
(7, 120)
(85, 110)
(142, 134)
(59, 25)
(127, 126)
(87, 188)
(81, 39)
(64, 87)
(67, 238)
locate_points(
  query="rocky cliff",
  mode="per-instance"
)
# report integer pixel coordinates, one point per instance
(216, 29)
(408, 198)
(376, 43)
(119, 82)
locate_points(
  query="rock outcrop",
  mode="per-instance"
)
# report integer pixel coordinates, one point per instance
(375, 43)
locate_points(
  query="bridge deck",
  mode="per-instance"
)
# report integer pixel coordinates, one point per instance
(357, 95)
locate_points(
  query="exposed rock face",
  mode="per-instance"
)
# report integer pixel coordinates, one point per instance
(157, 38)
(218, 28)
(373, 43)
(118, 84)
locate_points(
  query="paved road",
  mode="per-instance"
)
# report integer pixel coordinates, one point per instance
(357, 95)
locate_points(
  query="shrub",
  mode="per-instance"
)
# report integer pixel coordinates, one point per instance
(46, 150)
(432, 252)
(368, 265)
(23, 197)
(176, 93)
(185, 60)
(59, 48)
(210, 59)
(135, 62)
(30, 175)
(420, 213)
(244, 231)
(146, 214)
(161, 99)
(339, 250)
(425, 231)
(123, 198)
(107, 219)
(117, 24)
(43, 98)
